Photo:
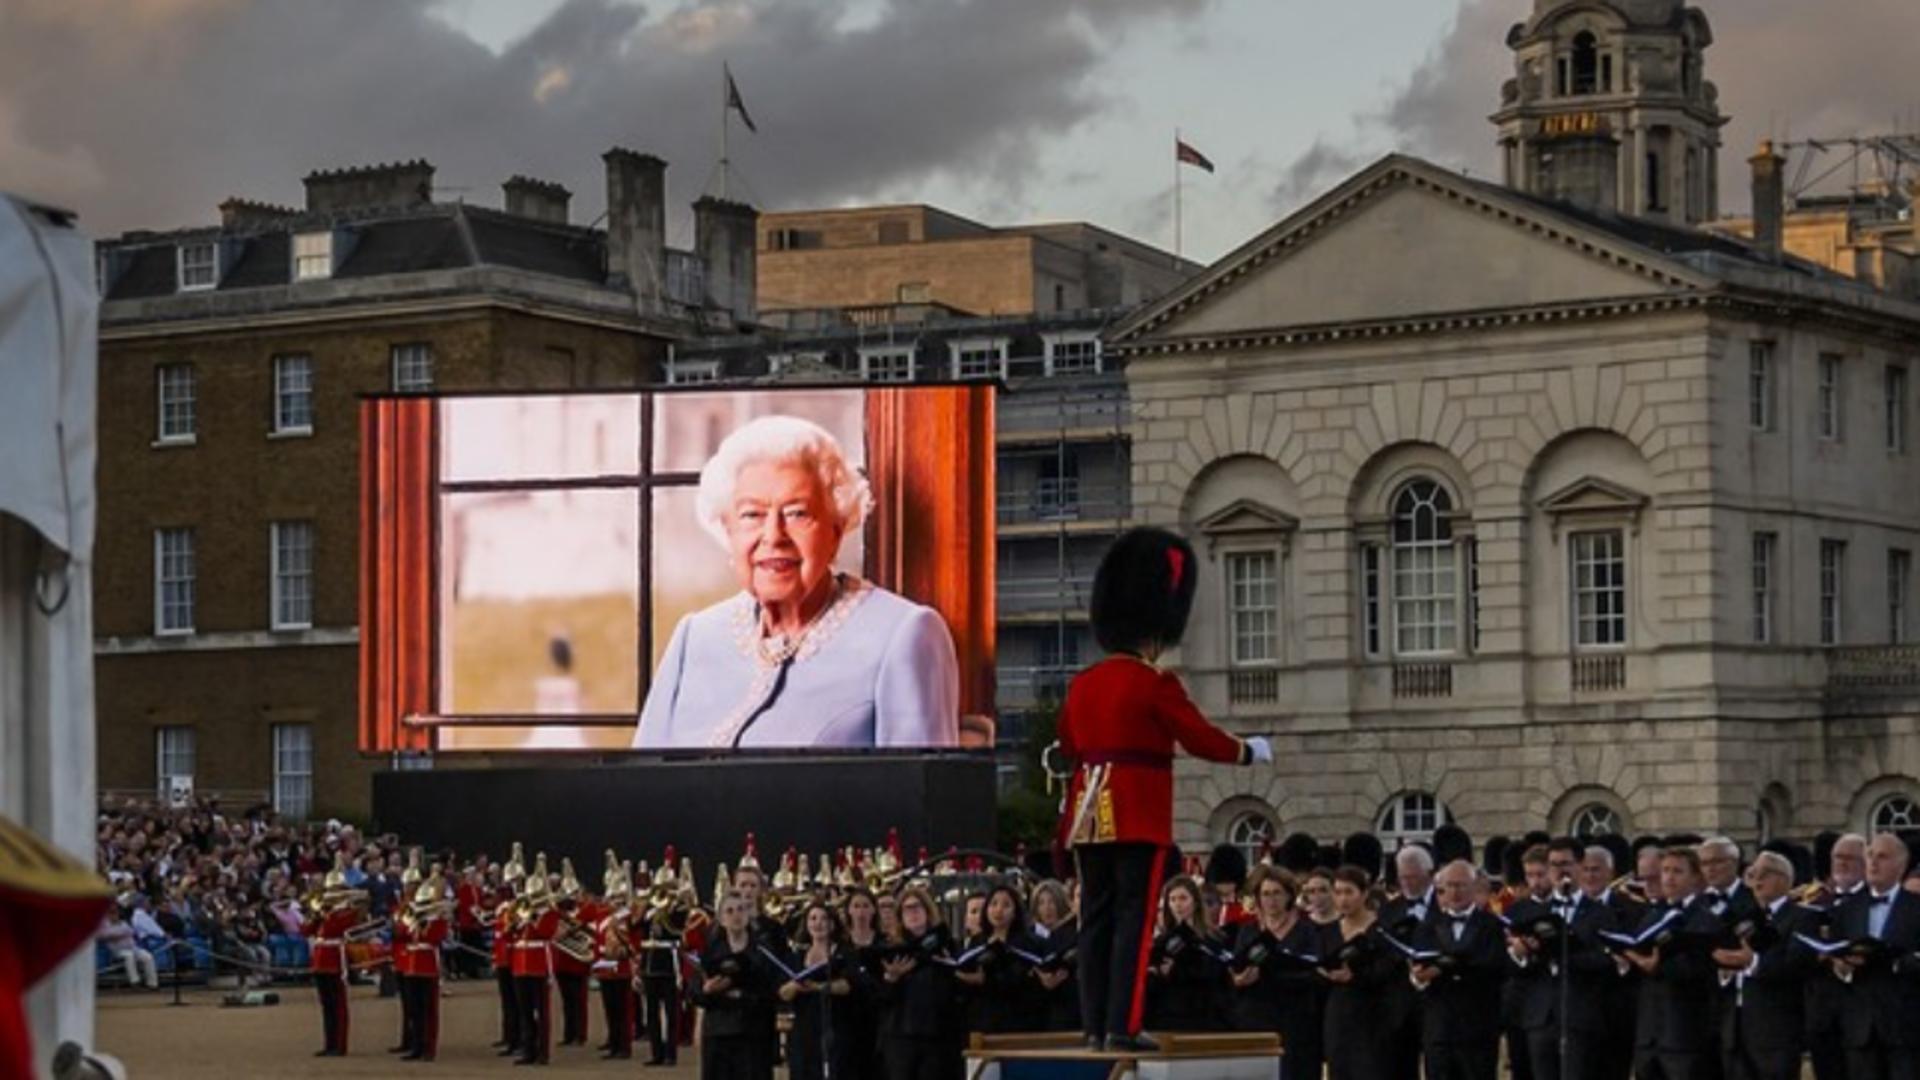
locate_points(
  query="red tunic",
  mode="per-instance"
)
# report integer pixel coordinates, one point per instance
(532, 952)
(466, 901)
(328, 936)
(1119, 725)
(423, 949)
(606, 965)
(402, 955)
(503, 939)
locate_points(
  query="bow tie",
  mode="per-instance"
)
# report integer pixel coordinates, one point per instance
(1878, 900)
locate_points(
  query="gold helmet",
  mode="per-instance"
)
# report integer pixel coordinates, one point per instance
(620, 884)
(336, 879)
(534, 891)
(570, 888)
(684, 875)
(516, 867)
(722, 882)
(430, 893)
(610, 874)
(751, 856)
(824, 878)
(410, 877)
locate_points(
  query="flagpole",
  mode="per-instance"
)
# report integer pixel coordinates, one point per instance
(726, 81)
(1176, 196)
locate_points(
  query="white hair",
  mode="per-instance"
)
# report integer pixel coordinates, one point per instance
(1852, 839)
(1777, 862)
(1723, 845)
(1599, 850)
(786, 439)
(1415, 854)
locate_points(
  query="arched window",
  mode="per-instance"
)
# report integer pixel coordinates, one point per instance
(1586, 63)
(1426, 588)
(1595, 819)
(1893, 813)
(1410, 816)
(1251, 832)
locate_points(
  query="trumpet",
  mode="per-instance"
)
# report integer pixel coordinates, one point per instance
(366, 929)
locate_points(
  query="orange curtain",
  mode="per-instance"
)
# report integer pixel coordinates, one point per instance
(396, 572)
(930, 454)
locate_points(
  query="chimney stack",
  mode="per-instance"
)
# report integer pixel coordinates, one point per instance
(1769, 198)
(237, 213)
(724, 236)
(401, 184)
(541, 200)
(637, 226)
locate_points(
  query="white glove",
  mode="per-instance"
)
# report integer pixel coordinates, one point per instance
(1260, 749)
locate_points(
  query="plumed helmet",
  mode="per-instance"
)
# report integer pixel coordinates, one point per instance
(1450, 843)
(1298, 853)
(410, 877)
(336, 879)
(516, 867)
(1143, 591)
(1364, 851)
(570, 888)
(429, 892)
(1226, 864)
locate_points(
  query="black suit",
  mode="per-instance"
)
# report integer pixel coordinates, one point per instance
(1592, 981)
(1399, 1027)
(1460, 1008)
(1674, 1028)
(1826, 1000)
(1763, 1019)
(1881, 1022)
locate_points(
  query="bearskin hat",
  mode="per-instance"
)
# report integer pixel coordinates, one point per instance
(1227, 865)
(1364, 851)
(1143, 591)
(1616, 846)
(1298, 853)
(1328, 857)
(1451, 843)
(1823, 854)
(1493, 858)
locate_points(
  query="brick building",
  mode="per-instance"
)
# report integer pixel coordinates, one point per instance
(232, 357)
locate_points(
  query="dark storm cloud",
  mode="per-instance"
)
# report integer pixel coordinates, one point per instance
(1799, 69)
(149, 112)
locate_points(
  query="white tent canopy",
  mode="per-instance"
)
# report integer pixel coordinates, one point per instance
(49, 310)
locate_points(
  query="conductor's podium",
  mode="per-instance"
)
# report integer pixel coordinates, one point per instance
(1180, 1057)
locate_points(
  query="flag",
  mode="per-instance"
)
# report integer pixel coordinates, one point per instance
(734, 101)
(1187, 155)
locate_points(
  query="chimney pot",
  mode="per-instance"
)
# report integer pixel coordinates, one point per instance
(1769, 199)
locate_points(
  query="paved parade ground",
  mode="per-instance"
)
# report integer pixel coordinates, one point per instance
(204, 1041)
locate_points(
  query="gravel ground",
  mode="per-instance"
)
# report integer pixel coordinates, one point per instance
(203, 1041)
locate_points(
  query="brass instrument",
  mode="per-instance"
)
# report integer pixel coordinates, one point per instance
(1627, 887)
(575, 939)
(367, 929)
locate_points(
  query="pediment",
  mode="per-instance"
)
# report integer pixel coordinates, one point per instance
(1592, 494)
(1246, 517)
(1405, 240)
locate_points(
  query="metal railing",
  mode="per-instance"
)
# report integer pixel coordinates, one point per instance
(1025, 596)
(1061, 499)
(1253, 686)
(1025, 685)
(1090, 403)
(1857, 666)
(1429, 680)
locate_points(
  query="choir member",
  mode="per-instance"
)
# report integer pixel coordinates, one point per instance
(737, 1025)
(1360, 976)
(920, 1029)
(1277, 984)
(1186, 980)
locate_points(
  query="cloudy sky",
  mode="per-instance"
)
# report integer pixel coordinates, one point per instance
(146, 113)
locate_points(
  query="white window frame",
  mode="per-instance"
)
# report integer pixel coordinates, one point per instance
(1899, 589)
(1595, 819)
(961, 348)
(1895, 392)
(1884, 817)
(290, 550)
(406, 362)
(1829, 397)
(1053, 343)
(883, 363)
(176, 568)
(1394, 823)
(176, 386)
(692, 372)
(173, 746)
(1242, 607)
(1833, 590)
(1251, 831)
(1373, 598)
(1760, 385)
(1579, 552)
(293, 771)
(1440, 634)
(1764, 556)
(293, 394)
(210, 265)
(312, 256)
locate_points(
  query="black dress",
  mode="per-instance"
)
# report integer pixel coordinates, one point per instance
(738, 1029)
(1352, 1033)
(1289, 997)
(1193, 996)
(1006, 1002)
(863, 1021)
(1057, 1009)
(822, 1023)
(920, 1021)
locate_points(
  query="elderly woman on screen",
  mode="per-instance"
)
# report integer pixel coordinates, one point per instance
(802, 656)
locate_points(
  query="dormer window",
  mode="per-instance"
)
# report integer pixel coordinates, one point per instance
(1586, 63)
(312, 256)
(199, 266)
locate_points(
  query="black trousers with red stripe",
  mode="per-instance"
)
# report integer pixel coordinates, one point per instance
(616, 1001)
(536, 1017)
(332, 988)
(1119, 888)
(422, 992)
(509, 1008)
(573, 1007)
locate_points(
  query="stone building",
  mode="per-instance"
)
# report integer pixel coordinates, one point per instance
(231, 360)
(1520, 512)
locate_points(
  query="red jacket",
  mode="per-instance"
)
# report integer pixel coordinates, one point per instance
(423, 949)
(1119, 725)
(402, 955)
(466, 900)
(328, 938)
(532, 951)
(503, 938)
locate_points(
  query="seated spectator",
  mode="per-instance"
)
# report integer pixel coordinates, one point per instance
(118, 937)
